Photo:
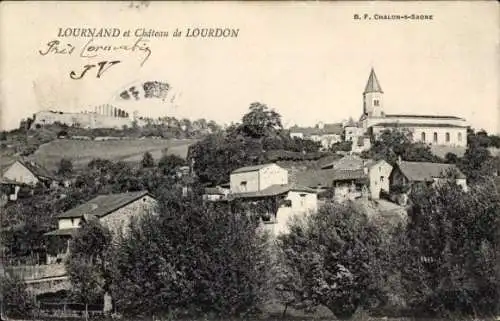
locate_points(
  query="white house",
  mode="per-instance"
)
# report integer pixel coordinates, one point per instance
(264, 190)
(114, 211)
(257, 178)
(277, 204)
(29, 173)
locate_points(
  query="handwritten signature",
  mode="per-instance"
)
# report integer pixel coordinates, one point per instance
(92, 49)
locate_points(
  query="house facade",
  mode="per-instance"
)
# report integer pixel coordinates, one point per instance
(114, 211)
(278, 204)
(29, 173)
(349, 178)
(265, 192)
(257, 178)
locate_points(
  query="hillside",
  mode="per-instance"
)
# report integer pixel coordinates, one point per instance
(81, 152)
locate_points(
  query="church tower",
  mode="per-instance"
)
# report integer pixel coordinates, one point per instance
(373, 97)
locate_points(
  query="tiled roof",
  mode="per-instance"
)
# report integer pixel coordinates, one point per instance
(421, 116)
(373, 85)
(36, 169)
(102, 205)
(398, 124)
(251, 168)
(326, 177)
(315, 178)
(349, 175)
(425, 171)
(273, 190)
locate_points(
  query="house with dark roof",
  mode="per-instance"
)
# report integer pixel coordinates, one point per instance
(326, 134)
(349, 178)
(29, 173)
(113, 210)
(408, 173)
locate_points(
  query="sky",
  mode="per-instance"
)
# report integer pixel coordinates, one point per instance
(307, 60)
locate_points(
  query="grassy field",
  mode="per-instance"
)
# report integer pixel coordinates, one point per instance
(81, 152)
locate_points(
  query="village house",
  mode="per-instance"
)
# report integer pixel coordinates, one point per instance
(263, 190)
(29, 173)
(114, 211)
(257, 178)
(326, 134)
(10, 189)
(405, 174)
(349, 178)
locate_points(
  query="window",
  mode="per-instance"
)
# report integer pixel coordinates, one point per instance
(302, 199)
(447, 137)
(375, 102)
(381, 178)
(423, 137)
(243, 185)
(435, 138)
(459, 137)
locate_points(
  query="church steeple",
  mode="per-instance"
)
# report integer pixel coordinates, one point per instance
(373, 86)
(373, 104)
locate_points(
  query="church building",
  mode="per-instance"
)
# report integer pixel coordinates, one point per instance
(428, 129)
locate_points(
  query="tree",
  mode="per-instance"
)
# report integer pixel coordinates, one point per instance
(191, 257)
(477, 162)
(89, 262)
(451, 253)
(65, 167)
(451, 158)
(168, 164)
(148, 160)
(394, 143)
(332, 256)
(260, 121)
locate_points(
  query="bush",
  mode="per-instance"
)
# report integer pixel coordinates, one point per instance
(15, 297)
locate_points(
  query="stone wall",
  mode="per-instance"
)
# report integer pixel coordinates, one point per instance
(120, 219)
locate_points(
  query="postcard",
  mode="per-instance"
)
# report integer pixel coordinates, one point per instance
(105, 105)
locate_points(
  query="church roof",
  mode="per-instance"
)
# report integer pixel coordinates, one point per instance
(400, 124)
(373, 86)
(421, 116)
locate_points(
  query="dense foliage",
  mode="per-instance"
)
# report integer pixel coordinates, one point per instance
(88, 265)
(191, 258)
(451, 254)
(332, 258)
(14, 297)
(392, 144)
(251, 142)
